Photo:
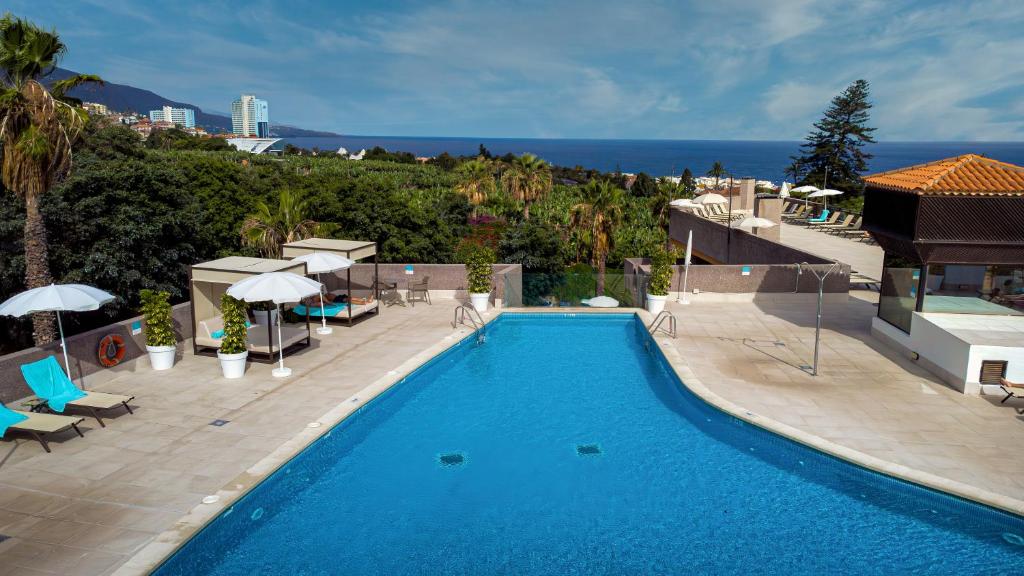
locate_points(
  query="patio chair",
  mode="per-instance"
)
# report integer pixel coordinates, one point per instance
(49, 382)
(853, 226)
(37, 425)
(423, 288)
(1011, 389)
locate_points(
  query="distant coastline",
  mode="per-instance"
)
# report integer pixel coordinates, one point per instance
(760, 159)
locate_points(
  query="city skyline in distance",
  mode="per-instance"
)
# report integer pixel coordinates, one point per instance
(734, 70)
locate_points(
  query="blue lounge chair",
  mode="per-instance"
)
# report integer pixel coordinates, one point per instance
(38, 425)
(49, 382)
(819, 218)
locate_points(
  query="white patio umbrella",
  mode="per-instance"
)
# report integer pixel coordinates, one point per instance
(682, 203)
(56, 298)
(756, 222)
(320, 262)
(276, 287)
(784, 190)
(825, 193)
(710, 198)
(806, 189)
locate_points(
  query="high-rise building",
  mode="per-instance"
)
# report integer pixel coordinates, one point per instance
(250, 116)
(184, 117)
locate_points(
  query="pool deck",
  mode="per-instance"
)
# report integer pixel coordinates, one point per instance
(120, 498)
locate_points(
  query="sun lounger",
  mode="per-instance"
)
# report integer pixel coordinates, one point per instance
(838, 224)
(37, 425)
(49, 382)
(826, 217)
(850, 226)
(1011, 389)
(799, 212)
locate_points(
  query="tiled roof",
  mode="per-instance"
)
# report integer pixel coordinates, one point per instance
(969, 174)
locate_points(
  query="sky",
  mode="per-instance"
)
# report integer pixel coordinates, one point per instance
(721, 69)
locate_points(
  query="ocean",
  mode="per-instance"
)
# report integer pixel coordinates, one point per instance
(760, 159)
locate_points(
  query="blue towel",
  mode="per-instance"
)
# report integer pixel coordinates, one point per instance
(821, 217)
(330, 309)
(46, 378)
(9, 417)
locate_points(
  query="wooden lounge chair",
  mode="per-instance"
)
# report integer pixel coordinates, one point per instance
(39, 426)
(853, 226)
(799, 212)
(49, 382)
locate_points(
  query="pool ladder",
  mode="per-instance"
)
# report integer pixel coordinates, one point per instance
(659, 320)
(464, 315)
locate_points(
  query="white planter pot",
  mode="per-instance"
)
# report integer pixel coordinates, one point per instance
(233, 365)
(655, 304)
(265, 317)
(161, 357)
(479, 300)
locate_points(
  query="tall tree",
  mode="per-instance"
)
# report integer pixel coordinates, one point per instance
(269, 229)
(717, 172)
(599, 215)
(527, 179)
(837, 142)
(476, 180)
(687, 184)
(38, 127)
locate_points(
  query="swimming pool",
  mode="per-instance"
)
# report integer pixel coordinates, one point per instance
(565, 445)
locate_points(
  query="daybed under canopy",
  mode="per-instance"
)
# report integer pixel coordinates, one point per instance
(353, 250)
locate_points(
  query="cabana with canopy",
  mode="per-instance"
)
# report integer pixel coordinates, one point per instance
(210, 280)
(353, 250)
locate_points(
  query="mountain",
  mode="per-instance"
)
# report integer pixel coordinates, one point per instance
(124, 98)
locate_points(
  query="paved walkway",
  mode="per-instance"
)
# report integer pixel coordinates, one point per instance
(863, 257)
(86, 508)
(866, 397)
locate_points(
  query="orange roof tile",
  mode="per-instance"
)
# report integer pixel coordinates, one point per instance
(969, 174)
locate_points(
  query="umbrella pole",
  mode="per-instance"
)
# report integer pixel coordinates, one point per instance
(63, 346)
(280, 371)
(323, 313)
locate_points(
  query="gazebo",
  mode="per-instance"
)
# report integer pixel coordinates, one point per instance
(952, 232)
(210, 280)
(353, 250)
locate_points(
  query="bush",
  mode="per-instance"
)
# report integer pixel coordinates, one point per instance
(233, 313)
(479, 269)
(661, 272)
(156, 316)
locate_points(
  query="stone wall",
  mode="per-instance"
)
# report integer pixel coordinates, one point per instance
(711, 242)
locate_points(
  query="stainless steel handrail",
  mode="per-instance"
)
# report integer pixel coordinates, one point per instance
(659, 319)
(461, 317)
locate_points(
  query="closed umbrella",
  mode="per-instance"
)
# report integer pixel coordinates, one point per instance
(56, 298)
(825, 193)
(784, 190)
(317, 263)
(276, 287)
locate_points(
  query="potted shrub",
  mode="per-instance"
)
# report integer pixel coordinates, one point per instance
(264, 313)
(159, 328)
(233, 352)
(661, 280)
(478, 274)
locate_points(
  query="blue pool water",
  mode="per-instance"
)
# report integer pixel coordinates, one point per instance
(563, 445)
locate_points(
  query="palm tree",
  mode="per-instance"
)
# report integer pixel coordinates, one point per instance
(661, 201)
(599, 216)
(527, 179)
(267, 230)
(717, 172)
(476, 180)
(38, 127)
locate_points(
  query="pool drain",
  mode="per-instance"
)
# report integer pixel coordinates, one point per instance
(588, 449)
(452, 459)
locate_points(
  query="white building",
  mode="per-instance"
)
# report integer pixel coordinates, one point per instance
(250, 116)
(184, 117)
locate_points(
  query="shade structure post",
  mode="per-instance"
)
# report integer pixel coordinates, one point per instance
(63, 345)
(280, 371)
